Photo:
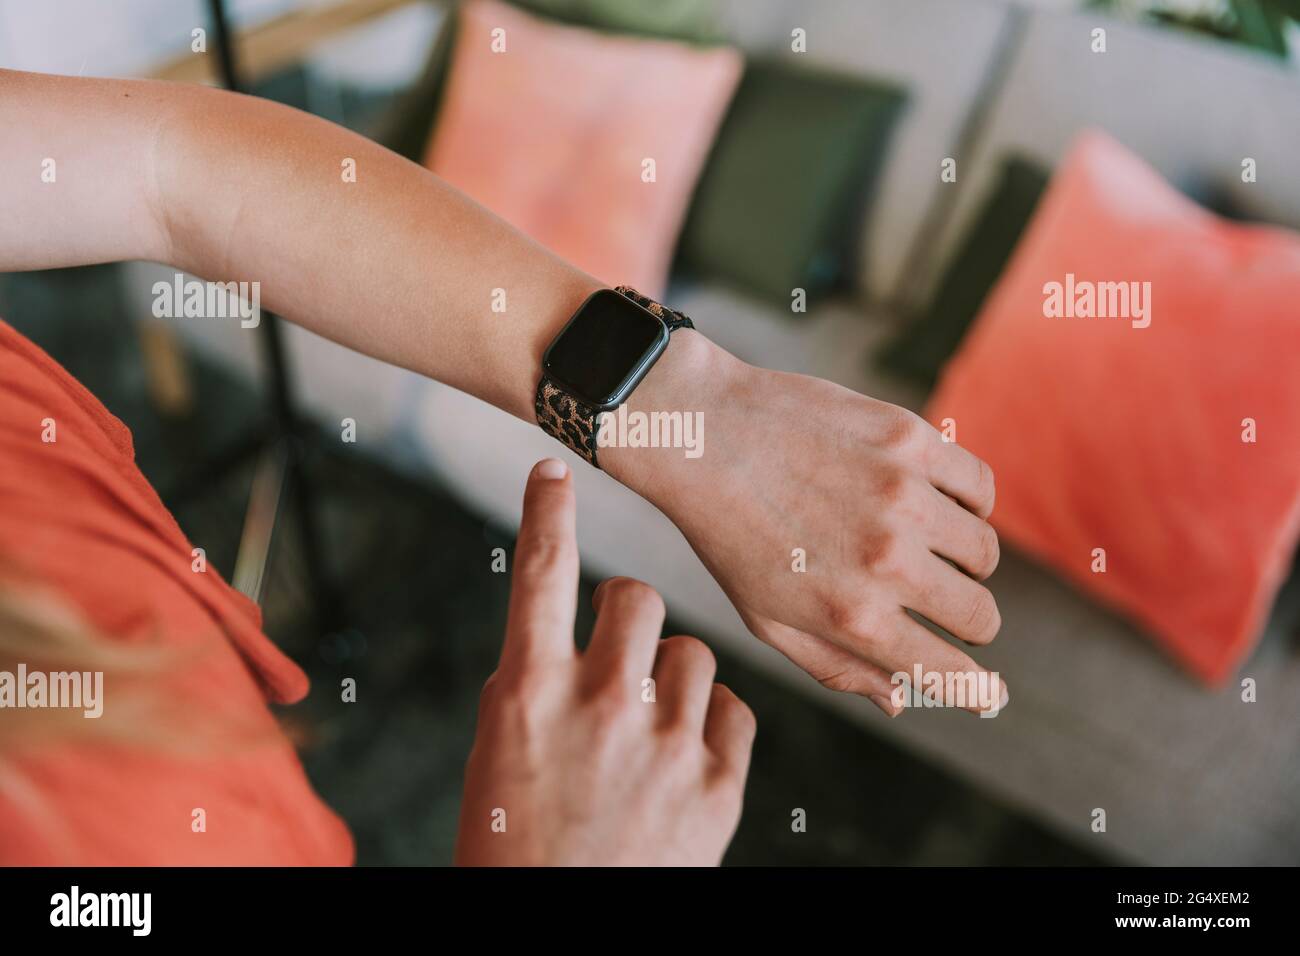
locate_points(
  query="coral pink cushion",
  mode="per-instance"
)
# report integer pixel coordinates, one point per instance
(552, 133)
(1106, 435)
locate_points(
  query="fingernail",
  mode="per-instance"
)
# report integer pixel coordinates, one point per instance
(885, 704)
(1003, 698)
(550, 468)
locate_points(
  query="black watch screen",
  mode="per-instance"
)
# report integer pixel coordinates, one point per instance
(605, 350)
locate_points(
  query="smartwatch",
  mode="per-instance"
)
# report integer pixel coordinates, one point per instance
(596, 361)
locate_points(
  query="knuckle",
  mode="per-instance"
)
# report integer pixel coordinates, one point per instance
(882, 554)
(990, 551)
(694, 653)
(842, 681)
(519, 679)
(629, 593)
(901, 428)
(741, 714)
(982, 619)
(542, 553)
(840, 615)
(609, 701)
(501, 685)
(852, 621)
(513, 710)
(489, 699)
(891, 486)
(677, 748)
(985, 484)
(491, 689)
(519, 687)
(747, 720)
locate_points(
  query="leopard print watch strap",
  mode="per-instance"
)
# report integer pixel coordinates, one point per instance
(564, 417)
(672, 318)
(572, 421)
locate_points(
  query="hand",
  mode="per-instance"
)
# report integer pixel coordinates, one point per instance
(572, 765)
(876, 500)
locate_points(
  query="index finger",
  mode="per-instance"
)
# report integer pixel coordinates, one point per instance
(544, 585)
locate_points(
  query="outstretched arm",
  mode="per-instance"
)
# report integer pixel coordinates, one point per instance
(397, 264)
(401, 266)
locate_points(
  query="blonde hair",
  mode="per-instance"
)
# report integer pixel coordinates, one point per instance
(41, 630)
(149, 712)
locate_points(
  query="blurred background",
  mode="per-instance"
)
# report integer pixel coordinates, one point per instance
(821, 168)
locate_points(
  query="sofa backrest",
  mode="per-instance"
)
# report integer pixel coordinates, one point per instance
(1193, 107)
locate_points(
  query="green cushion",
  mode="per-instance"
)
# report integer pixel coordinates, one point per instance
(922, 349)
(676, 19)
(783, 193)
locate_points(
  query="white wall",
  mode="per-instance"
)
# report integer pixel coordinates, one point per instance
(112, 37)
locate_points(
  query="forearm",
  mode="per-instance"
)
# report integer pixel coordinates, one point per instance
(396, 264)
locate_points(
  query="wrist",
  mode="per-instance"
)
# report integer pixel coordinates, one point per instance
(548, 311)
(693, 378)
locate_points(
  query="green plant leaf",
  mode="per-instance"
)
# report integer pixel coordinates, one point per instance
(1261, 24)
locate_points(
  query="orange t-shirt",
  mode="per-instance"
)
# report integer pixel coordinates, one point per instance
(77, 515)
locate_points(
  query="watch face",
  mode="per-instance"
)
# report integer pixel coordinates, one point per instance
(606, 349)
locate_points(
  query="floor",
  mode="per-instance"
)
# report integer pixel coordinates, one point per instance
(423, 628)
